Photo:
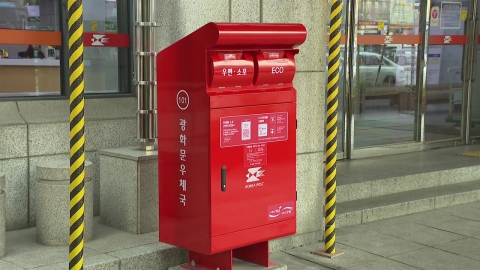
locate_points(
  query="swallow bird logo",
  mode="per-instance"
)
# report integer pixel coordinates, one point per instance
(99, 40)
(254, 174)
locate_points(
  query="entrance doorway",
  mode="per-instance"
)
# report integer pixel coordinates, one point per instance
(409, 70)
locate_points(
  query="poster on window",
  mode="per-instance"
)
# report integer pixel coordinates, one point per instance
(434, 64)
(451, 15)
(402, 14)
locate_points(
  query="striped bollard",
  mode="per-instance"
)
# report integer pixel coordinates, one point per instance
(77, 136)
(331, 127)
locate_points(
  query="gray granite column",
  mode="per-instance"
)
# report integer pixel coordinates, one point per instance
(2, 214)
(129, 189)
(53, 202)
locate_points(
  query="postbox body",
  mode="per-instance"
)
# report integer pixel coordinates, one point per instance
(227, 136)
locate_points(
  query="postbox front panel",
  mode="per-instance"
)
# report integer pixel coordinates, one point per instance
(253, 167)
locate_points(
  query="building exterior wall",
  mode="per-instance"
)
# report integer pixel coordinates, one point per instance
(35, 131)
(181, 17)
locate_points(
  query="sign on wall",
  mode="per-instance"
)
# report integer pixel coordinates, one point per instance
(450, 15)
(435, 16)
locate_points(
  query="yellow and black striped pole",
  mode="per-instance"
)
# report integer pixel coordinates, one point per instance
(331, 127)
(77, 136)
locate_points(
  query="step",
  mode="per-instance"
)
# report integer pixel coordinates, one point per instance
(361, 211)
(109, 249)
(408, 182)
(379, 176)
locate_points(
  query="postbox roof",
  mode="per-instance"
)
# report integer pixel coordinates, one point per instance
(251, 35)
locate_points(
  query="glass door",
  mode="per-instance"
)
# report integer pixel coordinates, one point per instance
(409, 76)
(385, 91)
(473, 131)
(448, 72)
(343, 87)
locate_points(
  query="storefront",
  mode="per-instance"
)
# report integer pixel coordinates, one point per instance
(408, 82)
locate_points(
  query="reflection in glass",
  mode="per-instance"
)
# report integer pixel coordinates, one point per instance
(384, 85)
(32, 69)
(475, 113)
(342, 75)
(30, 15)
(444, 84)
(101, 64)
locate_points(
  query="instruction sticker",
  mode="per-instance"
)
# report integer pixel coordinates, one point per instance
(251, 129)
(255, 155)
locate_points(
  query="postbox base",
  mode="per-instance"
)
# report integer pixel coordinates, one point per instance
(258, 254)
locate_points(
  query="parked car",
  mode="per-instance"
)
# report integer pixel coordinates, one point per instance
(391, 74)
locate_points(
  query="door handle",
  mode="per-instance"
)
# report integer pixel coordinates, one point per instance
(224, 178)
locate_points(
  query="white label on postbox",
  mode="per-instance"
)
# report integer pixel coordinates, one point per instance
(277, 70)
(183, 100)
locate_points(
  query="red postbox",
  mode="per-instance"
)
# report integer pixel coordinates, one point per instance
(227, 141)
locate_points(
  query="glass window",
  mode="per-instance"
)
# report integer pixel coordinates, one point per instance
(29, 60)
(101, 63)
(33, 61)
(369, 60)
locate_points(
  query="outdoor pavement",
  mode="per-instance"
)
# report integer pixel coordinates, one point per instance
(447, 238)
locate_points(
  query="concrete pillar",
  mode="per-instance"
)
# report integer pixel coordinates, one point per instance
(2, 214)
(129, 189)
(53, 202)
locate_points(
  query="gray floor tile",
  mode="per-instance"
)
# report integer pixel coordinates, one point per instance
(351, 257)
(420, 234)
(23, 250)
(430, 218)
(8, 266)
(107, 239)
(435, 259)
(363, 228)
(460, 226)
(43, 257)
(381, 264)
(100, 262)
(378, 243)
(295, 263)
(468, 211)
(469, 247)
(153, 256)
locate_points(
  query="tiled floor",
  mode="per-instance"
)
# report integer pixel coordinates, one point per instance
(23, 252)
(441, 239)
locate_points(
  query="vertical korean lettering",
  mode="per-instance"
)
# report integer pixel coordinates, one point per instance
(183, 158)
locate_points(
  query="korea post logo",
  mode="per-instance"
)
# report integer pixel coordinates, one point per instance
(254, 176)
(99, 40)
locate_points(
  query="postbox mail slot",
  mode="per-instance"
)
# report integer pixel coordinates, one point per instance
(275, 67)
(231, 70)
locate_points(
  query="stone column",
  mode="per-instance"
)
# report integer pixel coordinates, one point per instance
(53, 202)
(129, 189)
(2, 214)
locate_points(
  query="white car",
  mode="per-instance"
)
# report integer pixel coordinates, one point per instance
(391, 74)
